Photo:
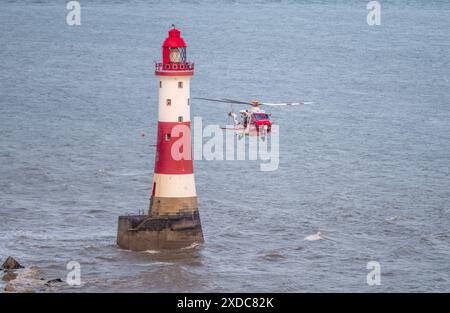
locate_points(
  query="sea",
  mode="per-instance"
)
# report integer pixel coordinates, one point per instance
(365, 162)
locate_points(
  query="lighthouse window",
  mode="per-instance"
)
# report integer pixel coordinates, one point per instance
(188, 101)
(174, 66)
(167, 137)
(169, 102)
(167, 66)
(180, 84)
(180, 119)
(160, 84)
(175, 55)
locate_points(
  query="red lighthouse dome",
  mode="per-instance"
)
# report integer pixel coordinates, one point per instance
(174, 40)
(174, 56)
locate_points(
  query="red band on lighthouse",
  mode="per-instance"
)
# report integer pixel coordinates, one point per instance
(173, 148)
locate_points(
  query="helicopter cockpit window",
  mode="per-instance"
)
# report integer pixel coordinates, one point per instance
(261, 116)
(177, 55)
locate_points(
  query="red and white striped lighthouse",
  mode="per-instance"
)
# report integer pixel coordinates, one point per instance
(173, 181)
(173, 220)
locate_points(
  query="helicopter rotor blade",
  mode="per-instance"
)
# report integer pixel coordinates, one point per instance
(238, 101)
(222, 100)
(285, 103)
(231, 101)
(209, 99)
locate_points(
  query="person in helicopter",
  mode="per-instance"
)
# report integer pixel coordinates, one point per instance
(245, 115)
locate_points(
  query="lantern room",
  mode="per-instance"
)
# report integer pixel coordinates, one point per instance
(174, 56)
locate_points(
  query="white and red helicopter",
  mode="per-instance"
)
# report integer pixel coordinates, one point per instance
(253, 121)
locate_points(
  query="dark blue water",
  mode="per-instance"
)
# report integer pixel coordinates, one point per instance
(367, 164)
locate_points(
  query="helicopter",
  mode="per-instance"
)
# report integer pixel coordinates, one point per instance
(253, 121)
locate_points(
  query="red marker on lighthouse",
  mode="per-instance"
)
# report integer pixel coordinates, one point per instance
(173, 220)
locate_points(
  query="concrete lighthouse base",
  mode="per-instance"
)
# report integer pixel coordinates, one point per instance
(145, 232)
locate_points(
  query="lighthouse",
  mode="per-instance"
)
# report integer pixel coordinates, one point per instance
(173, 219)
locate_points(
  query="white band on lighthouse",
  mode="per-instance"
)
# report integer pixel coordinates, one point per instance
(174, 95)
(174, 186)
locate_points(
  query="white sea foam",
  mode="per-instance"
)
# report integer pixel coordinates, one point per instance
(315, 237)
(152, 251)
(191, 246)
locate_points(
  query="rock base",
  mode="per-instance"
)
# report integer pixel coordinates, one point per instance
(144, 232)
